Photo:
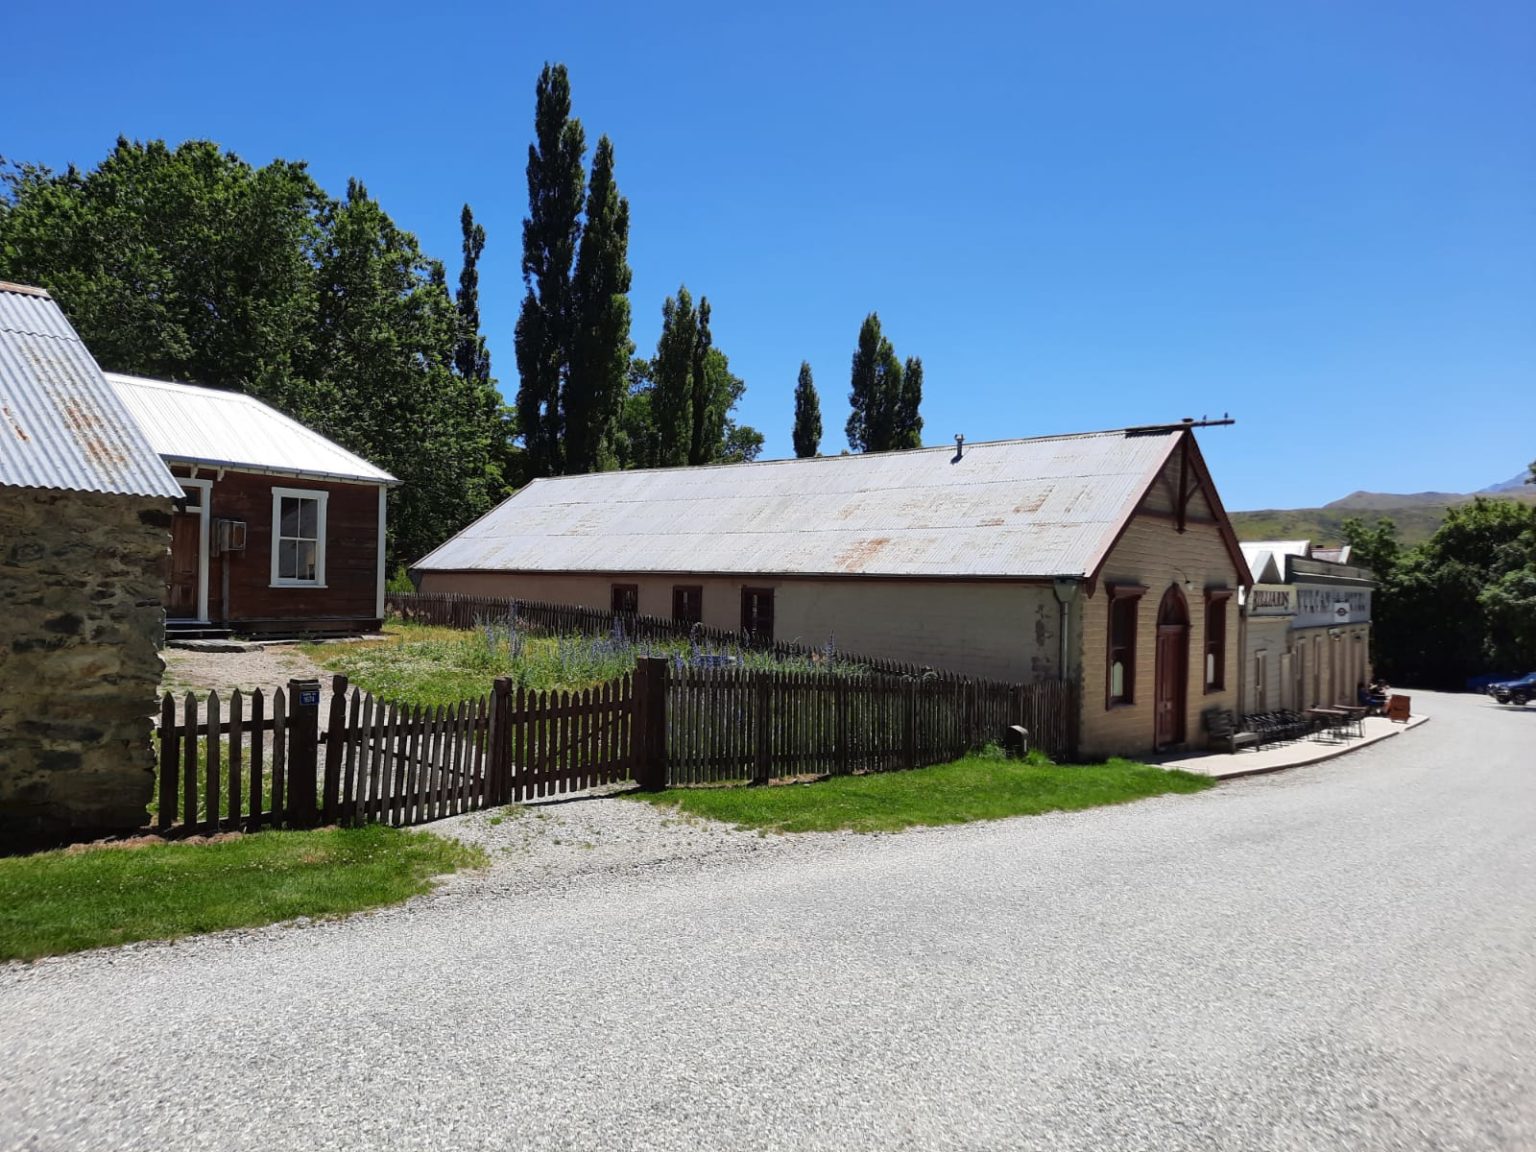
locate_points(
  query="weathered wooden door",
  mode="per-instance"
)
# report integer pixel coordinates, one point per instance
(1172, 672)
(186, 543)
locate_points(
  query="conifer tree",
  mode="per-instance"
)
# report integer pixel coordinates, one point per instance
(908, 431)
(807, 430)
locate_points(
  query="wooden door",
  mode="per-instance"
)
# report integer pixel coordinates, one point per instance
(186, 544)
(1172, 676)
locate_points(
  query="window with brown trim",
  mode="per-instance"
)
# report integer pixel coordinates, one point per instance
(626, 598)
(1120, 664)
(687, 603)
(757, 614)
(1216, 638)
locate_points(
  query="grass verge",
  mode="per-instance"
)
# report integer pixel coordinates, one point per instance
(978, 787)
(73, 899)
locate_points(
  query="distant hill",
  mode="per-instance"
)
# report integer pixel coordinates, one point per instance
(1518, 484)
(1416, 514)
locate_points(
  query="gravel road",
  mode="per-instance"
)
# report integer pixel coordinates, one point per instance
(1337, 957)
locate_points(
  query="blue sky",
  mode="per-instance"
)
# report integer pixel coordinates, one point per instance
(1320, 217)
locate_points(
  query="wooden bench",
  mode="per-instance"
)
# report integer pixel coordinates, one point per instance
(1224, 732)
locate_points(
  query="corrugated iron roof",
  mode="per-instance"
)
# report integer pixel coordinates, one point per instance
(61, 425)
(1010, 508)
(207, 426)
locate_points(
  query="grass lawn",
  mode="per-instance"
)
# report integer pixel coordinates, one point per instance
(73, 899)
(979, 787)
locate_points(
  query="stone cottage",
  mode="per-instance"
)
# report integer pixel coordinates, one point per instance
(85, 516)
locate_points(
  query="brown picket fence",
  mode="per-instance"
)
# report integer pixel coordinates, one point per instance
(226, 764)
(728, 724)
(253, 761)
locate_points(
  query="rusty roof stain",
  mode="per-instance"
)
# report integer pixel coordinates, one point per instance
(1011, 508)
(68, 428)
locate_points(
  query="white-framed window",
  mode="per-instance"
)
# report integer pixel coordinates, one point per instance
(298, 537)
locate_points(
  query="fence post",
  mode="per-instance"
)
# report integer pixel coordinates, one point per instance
(303, 743)
(909, 736)
(501, 766)
(650, 730)
(335, 742)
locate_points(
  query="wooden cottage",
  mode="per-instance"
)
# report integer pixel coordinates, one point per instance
(278, 531)
(85, 517)
(1104, 559)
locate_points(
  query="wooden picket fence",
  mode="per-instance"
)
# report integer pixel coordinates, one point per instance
(729, 724)
(252, 761)
(227, 764)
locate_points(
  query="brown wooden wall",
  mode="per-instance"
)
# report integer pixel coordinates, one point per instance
(350, 594)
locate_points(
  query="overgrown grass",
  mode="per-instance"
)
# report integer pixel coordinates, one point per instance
(73, 899)
(421, 664)
(984, 786)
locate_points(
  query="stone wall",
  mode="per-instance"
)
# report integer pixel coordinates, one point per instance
(81, 622)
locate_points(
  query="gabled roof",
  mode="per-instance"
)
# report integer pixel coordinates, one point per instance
(1266, 558)
(1036, 508)
(61, 426)
(206, 426)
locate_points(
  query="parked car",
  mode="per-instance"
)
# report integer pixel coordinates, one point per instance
(1515, 692)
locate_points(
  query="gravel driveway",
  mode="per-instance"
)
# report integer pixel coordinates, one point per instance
(1338, 957)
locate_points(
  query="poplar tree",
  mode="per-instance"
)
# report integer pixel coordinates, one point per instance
(807, 430)
(908, 431)
(884, 403)
(601, 347)
(550, 234)
(471, 357)
(672, 380)
(706, 415)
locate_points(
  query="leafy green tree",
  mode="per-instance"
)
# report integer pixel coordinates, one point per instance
(185, 263)
(1459, 603)
(601, 347)
(884, 404)
(551, 231)
(1375, 547)
(807, 430)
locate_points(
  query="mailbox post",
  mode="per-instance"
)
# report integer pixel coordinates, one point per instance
(303, 742)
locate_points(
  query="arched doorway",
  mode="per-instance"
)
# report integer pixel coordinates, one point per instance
(1171, 688)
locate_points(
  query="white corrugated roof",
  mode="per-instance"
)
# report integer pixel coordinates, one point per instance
(1042, 507)
(61, 426)
(1259, 553)
(208, 426)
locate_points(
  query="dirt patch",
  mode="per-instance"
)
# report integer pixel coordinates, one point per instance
(264, 668)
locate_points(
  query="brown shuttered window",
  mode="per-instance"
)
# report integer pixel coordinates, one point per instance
(626, 598)
(757, 614)
(1120, 669)
(1216, 638)
(687, 603)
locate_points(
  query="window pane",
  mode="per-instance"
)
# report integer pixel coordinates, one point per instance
(306, 561)
(287, 560)
(288, 521)
(1117, 679)
(309, 514)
